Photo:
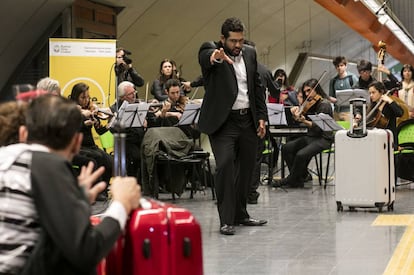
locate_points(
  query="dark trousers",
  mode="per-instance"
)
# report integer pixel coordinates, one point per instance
(133, 152)
(299, 152)
(255, 183)
(234, 146)
(101, 158)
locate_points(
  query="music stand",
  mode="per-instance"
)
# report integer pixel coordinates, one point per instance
(276, 117)
(325, 122)
(190, 115)
(133, 115)
(343, 96)
(276, 114)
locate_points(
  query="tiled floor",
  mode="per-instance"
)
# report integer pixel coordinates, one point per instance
(305, 235)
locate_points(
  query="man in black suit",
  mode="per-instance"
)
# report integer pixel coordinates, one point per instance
(233, 114)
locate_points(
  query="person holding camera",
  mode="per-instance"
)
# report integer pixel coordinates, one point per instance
(124, 69)
(287, 95)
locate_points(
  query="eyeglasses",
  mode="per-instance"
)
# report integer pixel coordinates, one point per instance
(131, 93)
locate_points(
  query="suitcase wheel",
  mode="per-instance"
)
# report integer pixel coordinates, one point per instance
(339, 206)
(391, 207)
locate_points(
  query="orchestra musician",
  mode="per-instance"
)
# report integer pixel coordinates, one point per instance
(172, 110)
(298, 152)
(173, 107)
(274, 90)
(406, 93)
(383, 110)
(168, 70)
(89, 150)
(126, 92)
(364, 68)
(342, 81)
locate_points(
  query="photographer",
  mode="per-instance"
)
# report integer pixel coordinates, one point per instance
(287, 95)
(124, 69)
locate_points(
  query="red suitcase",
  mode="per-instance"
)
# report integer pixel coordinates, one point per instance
(162, 239)
(159, 238)
(113, 262)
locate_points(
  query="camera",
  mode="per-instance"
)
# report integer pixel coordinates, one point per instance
(127, 59)
(279, 81)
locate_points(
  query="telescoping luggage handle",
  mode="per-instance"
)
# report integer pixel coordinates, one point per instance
(119, 150)
(120, 158)
(358, 131)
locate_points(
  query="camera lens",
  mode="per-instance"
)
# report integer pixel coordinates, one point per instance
(127, 59)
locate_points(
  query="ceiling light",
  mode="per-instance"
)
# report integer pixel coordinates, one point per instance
(385, 19)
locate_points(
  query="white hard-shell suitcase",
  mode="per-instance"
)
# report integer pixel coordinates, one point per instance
(364, 167)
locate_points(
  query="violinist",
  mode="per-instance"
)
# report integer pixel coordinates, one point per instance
(173, 108)
(89, 150)
(298, 152)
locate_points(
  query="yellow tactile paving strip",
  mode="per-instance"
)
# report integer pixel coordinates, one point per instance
(402, 261)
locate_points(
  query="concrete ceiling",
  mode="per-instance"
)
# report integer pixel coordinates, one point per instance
(22, 23)
(156, 29)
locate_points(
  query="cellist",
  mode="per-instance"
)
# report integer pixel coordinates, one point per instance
(387, 109)
(298, 152)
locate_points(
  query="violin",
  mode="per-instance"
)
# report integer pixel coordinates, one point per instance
(309, 101)
(104, 114)
(182, 101)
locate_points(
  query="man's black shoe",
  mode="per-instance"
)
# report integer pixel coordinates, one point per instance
(280, 183)
(251, 201)
(295, 185)
(227, 230)
(308, 178)
(252, 222)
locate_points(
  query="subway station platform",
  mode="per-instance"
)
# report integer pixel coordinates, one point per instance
(306, 234)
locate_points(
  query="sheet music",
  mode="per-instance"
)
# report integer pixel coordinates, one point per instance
(343, 96)
(325, 122)
(190, 114)
(276, 114)
(133, 115)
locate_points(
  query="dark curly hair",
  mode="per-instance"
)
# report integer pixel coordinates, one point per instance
(12, 116)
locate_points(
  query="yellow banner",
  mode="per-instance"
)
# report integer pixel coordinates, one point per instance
(84, 60)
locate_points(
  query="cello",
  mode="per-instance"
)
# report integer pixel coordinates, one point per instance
(381, 58)
(375, 118)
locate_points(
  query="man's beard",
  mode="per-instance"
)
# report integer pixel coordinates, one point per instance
(230, 52)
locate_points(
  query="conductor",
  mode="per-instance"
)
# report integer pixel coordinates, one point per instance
(233, 114)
